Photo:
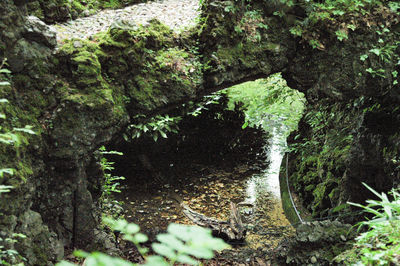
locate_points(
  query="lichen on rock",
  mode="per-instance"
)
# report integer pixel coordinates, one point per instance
(315, 243)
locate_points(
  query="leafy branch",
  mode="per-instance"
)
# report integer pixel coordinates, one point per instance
(157, 126)
(181, 244)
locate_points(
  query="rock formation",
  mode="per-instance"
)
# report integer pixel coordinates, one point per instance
(84, 93)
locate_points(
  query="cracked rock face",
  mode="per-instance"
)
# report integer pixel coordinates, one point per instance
(37, 31)
(315, 242)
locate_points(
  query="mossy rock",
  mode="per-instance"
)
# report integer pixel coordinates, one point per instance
(146, 61)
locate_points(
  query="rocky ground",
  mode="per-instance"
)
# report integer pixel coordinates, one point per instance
(177, 14)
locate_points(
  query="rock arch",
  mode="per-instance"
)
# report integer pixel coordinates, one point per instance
(83, 94)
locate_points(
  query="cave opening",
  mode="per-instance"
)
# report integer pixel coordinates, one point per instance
(217, 156)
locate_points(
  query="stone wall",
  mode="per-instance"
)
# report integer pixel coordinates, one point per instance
(349, 133)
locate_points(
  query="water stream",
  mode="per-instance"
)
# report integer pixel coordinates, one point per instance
(267, 182)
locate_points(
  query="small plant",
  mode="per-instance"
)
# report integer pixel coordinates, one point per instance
(380, 245)
(14, 138)
(155, 127)
(181, 244)
(110, 184)
(341, 35)
(10, 254)
(207, 100)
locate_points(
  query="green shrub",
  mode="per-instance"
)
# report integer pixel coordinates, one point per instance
(181, 244)
(380, 244)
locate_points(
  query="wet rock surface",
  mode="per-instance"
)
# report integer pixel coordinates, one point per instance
(315, 243)
(36, 30)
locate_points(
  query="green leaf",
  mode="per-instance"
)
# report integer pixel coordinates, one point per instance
(100, 259)
(340, 207)
(170, 240)
(26, 129)
(118, 225)
(10, 171)
(186, 259)
(81, 254)
(5, 189)
(200, 252)
(140, 238)
(19, 235)
(162, 133)
(375, 51)
(371, 189)
(164, 250)
(351, 26)
(370, 70)
(338, 12)
(363, 57)
(156, 261)
(132, 228)
(341, 35)
(5, 71)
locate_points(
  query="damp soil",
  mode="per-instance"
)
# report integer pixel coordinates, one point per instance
(207, 182)
(211, 162)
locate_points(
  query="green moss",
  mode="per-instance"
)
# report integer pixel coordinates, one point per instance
(87, 70)
(245, 54)
(41, 257)
(310, 187)
(142, 66)
(77, 6)
(321, 159)
(35, 9)
(334, 195)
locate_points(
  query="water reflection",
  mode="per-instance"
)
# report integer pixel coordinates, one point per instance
(267, 182)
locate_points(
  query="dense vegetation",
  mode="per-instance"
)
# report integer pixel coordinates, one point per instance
(379, 244)
(267, 101)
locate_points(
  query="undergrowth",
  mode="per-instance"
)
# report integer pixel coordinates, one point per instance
(380, 243)
(180, 244)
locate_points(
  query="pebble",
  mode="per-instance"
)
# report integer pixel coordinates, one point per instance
(177, 14)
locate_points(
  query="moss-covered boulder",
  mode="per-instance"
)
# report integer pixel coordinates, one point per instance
(241, 40)
(316, 243)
